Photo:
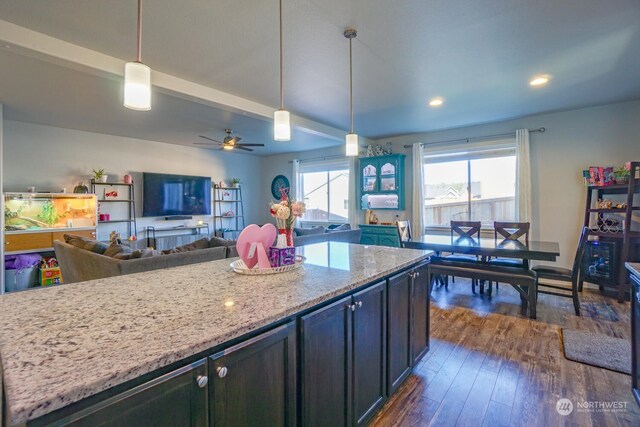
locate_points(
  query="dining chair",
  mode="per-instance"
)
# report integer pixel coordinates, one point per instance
(461, 230)
(551, 272)
(404, 231)
(510, 232)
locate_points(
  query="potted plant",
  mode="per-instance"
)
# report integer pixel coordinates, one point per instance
(99, 175)
(622, 175)
(235, 182)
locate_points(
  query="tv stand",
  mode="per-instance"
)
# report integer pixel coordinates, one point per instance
(152, 240)
(177, 217)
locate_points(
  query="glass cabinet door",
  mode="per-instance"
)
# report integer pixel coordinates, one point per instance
(388, 177)
(369, 177)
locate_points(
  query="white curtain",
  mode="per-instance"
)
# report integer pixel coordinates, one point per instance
(417, 210)
(523, 176)
(295, 192)
(354, 212)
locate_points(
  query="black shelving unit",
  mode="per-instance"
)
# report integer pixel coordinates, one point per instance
(130, 219)
(228, 211)
(613, 227)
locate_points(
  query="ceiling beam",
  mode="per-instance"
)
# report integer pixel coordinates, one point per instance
(43, 47)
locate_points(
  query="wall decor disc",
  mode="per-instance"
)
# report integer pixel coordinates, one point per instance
(279, 182)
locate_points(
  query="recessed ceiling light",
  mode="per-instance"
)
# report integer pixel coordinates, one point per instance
(539, 81)
(436, 102)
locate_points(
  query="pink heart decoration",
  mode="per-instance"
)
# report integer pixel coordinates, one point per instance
(253, 243)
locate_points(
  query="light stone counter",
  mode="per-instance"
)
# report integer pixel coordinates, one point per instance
(61, 344)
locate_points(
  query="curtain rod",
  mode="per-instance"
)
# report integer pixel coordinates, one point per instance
(320, 158)
(474, 138)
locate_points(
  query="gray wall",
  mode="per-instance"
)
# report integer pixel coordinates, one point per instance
(574, 140)
(51, 158)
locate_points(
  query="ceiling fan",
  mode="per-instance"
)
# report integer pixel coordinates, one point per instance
(229, 142)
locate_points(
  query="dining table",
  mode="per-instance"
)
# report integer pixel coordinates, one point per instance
(486, 247)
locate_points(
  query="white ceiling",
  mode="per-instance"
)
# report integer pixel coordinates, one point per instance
(478, 55)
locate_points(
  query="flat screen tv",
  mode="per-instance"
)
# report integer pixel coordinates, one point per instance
(172, 195)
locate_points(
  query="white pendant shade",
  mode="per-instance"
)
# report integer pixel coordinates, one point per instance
(137, 86)
(281, 125)
(352, 144)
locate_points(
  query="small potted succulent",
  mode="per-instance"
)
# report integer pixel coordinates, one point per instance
(235, 182)
(99, 175)
(622, 175)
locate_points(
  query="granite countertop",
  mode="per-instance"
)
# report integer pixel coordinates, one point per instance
(61, 344)
(633, 267)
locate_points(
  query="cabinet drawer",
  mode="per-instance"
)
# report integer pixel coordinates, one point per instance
(59, 235)
(380, 230)
(27, 241)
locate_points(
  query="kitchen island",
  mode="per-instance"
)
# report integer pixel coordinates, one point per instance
(77, 351)
(634, 270)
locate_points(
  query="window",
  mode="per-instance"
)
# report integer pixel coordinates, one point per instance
(325, 191)
(473, 185)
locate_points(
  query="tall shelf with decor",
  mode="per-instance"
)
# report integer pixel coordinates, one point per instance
(228, 211)
(121, 206)
(612, 225)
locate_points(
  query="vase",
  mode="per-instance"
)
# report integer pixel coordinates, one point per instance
(81, 188)
(288, 233)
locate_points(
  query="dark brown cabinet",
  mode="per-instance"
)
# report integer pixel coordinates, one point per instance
(399, 310)
(253, 383)
(369, 352)
(177, 399)
(407, 324)
(344, 360)
(326, 358)
(420, 297)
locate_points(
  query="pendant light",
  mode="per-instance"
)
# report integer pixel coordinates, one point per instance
(351, 147)
(281, 119)
(137, 77)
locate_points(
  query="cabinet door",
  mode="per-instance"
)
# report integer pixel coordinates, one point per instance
(398, 331)
(419, 313)
(369, 170)
(253, 383)
(391, 241)
(368, 239)
(326, 361)
(369, 352)
(172, 400)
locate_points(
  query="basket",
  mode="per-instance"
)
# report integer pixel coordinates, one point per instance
(239, 267)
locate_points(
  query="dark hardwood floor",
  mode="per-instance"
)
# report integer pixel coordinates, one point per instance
(490, 366)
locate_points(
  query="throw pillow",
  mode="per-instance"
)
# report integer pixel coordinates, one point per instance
(116, 249)
(215, 242)
(336, 227)
(193, 246)
(122, 256)
(86, 243)
(145, 253)
(309, 231)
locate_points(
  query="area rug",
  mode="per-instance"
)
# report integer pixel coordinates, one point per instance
(597, 350)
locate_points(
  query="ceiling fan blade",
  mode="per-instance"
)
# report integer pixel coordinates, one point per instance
(240, 147)
(251, 145)
(236, 139)
(205, 143)
(206, 137)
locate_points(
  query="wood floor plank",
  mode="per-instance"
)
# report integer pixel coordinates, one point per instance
(497, 415)
(504, 391)
(476, 405)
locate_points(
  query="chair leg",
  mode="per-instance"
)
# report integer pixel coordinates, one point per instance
(453, 279)
(574, 296)
(580, 286)
(473, 286)
(533, 300)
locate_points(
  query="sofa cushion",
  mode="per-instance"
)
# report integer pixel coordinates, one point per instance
(117, 249)
(309, 231)
(215, 242)
(86, 243)
(193, 246)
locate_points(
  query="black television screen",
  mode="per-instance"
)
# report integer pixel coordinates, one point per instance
(167, 195)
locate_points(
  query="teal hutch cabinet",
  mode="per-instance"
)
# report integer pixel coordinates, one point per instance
(379, 235)
(381, 183)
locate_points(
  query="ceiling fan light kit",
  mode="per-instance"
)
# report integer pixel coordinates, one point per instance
(281, 117)
(228, 143)
(351, 140)
(137, 77)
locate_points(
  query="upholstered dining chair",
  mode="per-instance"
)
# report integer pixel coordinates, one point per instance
(510, 232)
(551, 272)
(461, 230)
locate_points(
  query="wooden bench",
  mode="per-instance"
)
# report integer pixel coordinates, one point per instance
(522, 280)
